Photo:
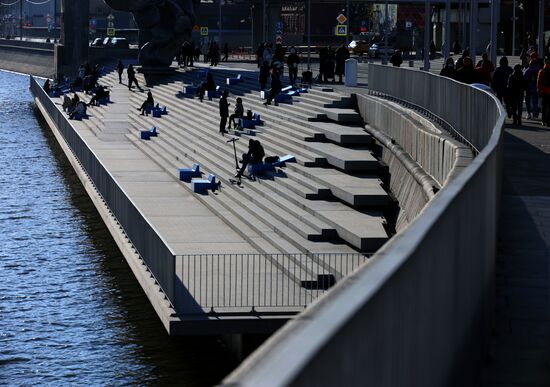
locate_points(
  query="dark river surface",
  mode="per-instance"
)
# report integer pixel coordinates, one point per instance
(71, 311)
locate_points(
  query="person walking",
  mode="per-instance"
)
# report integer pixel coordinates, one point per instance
(225, 52)
(293, 62)
(516, 91)
(543, 89)
(499, 84)
(531, 97)
(132, 77)
(120, 70)
(342, 54)
(224, 111)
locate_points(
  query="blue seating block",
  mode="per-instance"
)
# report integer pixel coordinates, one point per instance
(201, 186)
(157, 113)
(147, 134)
(254, 169)
(162, 109)
(283, 160)
(104, 100)
(186, 174)
(246, 123)
(282, 98)
(190, 90)
(286, 89)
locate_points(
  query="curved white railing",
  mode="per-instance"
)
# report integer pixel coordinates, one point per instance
(419, 313)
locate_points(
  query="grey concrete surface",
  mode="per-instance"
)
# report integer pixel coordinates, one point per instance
(520, 347)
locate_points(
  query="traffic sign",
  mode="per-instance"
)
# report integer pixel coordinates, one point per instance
(196, 28)
(408, 24)
(110, 32)
(278, 39)
(279, 25)
(342, 30)
(341, 18)
(204, 31)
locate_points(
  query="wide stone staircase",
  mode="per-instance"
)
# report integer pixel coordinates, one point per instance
(332, 200)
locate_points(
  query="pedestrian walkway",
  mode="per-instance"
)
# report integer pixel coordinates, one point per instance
(520, 348)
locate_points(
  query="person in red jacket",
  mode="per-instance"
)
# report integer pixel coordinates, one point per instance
(543, 89)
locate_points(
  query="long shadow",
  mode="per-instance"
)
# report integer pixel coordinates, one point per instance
(522, 266)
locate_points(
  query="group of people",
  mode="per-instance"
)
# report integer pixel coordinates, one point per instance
(238, 112)
(332, 63)
(528, 82)
(131, 74)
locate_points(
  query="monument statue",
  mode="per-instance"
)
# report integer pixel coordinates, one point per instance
(163, 24)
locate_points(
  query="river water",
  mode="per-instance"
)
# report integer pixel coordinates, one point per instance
(71, 311)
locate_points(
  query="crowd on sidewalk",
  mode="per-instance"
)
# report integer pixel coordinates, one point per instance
(526, 84)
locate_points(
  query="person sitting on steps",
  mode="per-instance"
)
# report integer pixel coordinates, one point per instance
(208, 85)
(149, 103)
(80, 109)
(100, 93)
(255, 155)
(238, 112)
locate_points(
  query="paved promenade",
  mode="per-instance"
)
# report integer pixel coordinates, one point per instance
(520, 348)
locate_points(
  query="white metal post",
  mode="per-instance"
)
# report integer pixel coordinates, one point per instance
(427, 33)
(348, 21)
(495, 7)
(473, 30)
(386, 12)
(541, 29)
(447, 29)
(514, 28)
(309, 35)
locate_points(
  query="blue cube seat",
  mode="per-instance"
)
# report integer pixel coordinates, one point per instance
(162, 109)
(286, 89)
(190, 90)
(147, 134)
(104, 100)
(157, 112)
(255, 169)
(186, 174)
(233, 81)
(282, 98)
(201, 186)
(246, 123)
(213, 93)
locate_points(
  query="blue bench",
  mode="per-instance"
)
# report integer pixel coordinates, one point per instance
(147, 134)
(162, 109)
(190, 90)
(186, 174)
(255, 169)
(201, 186)
(281, 97)
(233, 81)
(247, 123)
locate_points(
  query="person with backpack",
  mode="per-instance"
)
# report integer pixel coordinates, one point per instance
(543, 89)
(531, 97)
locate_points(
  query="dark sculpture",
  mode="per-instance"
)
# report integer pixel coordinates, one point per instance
(163, 24)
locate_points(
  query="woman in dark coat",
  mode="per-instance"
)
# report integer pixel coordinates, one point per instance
(517, 84)
(342, 54)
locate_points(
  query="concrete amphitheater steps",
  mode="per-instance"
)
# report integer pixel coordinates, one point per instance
(366, 192)
(278, 234)
(311, 230)
(299, 200)
(352, 160)
(363, 230)
(357, 195)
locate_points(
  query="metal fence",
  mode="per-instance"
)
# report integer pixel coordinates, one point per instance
(149, 244)
(218, 282)
(420, 313)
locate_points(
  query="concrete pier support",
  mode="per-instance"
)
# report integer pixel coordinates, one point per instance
(73, 48)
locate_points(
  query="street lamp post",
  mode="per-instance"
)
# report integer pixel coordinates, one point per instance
(220, 24)
(495, 7)
(447, 29)
(348, 29)
(309, 35)
(252, 28)
(21, 19)
(514, 28)
(427, 28)
(473, 30)
(386, 12)
(541, 28)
